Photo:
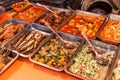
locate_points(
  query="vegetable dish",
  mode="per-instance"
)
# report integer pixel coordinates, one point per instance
(54, 54)
(84, 64)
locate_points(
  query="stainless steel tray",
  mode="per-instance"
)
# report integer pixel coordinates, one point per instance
(65, 36)
(114, 17)
(13, 55)
(115, 64)
(53, 22)
(101, 46)
(78, 12)
(33, 5)
(89, 13)
(13, 21)
(110, 41)
(37, 28)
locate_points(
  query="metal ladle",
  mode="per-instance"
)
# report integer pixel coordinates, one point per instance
(66, 44)
(99, 58)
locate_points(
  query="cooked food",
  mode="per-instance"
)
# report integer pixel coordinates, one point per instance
(30, 14)
(54, 54)
(88, 23)
(111, 31)
(9, 30)
(84, 64)
(19, 6)
(54, 20)
(27, 43)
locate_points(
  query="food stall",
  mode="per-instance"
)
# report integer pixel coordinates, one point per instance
(43, 42)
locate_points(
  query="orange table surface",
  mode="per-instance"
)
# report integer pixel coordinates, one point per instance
(5, 16)
(23, 69)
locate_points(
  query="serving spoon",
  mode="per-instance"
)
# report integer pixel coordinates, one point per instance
(99, 58)
(66, 44)
(48, 10)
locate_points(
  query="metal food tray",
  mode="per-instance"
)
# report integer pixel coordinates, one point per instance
(20, 9)
(12, 56)
(72, 13)
(110, 17)
(115, 61)
(102, 46)
(65, 36)
(14, 22)
(32, 5)
(44, 31)
(78, 12)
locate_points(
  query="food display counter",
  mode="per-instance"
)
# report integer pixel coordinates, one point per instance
(40, 42)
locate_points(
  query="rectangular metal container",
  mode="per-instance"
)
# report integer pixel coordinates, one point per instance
(15, 6)
(26, 10)
(13, 21)
(110, 41)
(38, 28)
(75, 26)
(68, 37)
(53, 20)
(116, 63)
(13, 55)
(107, 69)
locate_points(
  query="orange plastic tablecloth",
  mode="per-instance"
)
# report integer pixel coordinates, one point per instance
(23, 69)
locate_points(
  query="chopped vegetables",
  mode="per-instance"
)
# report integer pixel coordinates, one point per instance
(85, 64)
(54, 54)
